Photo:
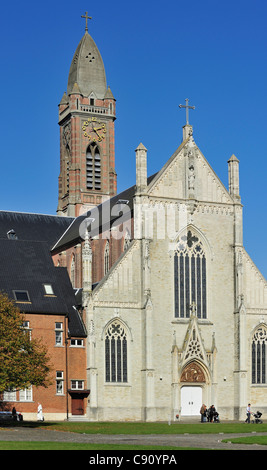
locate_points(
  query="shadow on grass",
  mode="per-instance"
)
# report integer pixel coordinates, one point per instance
(26, 424)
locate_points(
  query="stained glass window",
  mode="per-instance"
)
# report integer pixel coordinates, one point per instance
(116, 353)
(190, 283)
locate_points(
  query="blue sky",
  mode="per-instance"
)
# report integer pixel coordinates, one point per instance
(156, 54)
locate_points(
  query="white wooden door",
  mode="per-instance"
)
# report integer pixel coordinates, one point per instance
(191, 400)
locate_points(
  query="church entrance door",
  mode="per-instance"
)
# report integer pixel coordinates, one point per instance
(191, 400)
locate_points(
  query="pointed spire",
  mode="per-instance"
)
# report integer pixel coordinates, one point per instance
(76, 90)
(233, 177)
(109, 94)
(64, 99)
(141, 168)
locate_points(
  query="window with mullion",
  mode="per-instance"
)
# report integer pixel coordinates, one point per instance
(190, 277)
(258, 356)
(116, 353)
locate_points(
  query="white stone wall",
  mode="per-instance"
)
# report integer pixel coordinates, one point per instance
(139, 292)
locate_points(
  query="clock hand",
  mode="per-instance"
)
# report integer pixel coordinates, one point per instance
(97, 129)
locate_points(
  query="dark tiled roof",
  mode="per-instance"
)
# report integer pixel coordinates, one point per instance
(27, 266)
(110, 213)
(38, 227)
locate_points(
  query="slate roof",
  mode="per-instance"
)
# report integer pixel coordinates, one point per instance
(37, 227)
(27, 266)
(110, 213)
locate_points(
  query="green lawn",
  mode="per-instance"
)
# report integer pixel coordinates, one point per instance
(260, 440)
(132, 428)
(156, 428)
(15, 445)
(142, 428)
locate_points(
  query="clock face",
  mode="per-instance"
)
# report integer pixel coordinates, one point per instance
(94, 129)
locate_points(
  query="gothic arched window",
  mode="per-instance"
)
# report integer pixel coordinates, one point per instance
(127, 241)
(93, 167)
(106, 259)
(190, 284)
(258, 356)
(72, 271)
(116, 353)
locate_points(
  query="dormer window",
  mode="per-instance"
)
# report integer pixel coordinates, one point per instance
(11, 235)
(21, 296)
(48, 289)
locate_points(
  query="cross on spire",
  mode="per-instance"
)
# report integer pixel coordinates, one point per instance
(86, 19)
(187, 107)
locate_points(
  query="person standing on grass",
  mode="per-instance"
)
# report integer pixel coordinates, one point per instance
(40, 413)
(248, 414)
(203, 412)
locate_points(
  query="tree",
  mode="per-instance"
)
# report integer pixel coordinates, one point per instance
(23, 360)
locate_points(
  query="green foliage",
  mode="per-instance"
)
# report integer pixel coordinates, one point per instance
(23, 360)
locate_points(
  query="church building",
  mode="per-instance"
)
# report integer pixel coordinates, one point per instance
(174, 309)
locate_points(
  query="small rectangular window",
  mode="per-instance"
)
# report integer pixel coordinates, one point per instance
(21, 295)
(10, 395)
(26, 328)
(77, 384)
(48, 289)
(25, 394)
(59, 334)
(76, 342)
(59, 382)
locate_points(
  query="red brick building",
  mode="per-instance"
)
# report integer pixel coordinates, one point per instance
(45, 295)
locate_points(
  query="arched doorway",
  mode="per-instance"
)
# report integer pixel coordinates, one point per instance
(192, 382)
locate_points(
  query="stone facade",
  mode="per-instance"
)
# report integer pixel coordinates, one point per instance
(167, 351)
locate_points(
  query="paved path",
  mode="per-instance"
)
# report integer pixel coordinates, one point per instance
(207, 441)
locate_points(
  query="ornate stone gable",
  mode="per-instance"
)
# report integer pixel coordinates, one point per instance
(188, 175)
(193, 347)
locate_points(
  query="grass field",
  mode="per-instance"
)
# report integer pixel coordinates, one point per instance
(12, 445)
(155, 428)
(132, 428)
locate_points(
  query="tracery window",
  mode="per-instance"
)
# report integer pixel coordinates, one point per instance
(258, 356)
(106, 258)
(116, 353)
(126, 242)
(93, 167)
(190, 283)
(72, 271)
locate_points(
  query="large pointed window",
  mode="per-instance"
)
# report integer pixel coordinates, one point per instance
(190, 277)
(93, 167)
(116, 353)
(258, 355)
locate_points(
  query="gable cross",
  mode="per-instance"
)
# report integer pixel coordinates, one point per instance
(86, 19)
(187, 107)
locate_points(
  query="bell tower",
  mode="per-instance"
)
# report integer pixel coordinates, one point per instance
(87, 113)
